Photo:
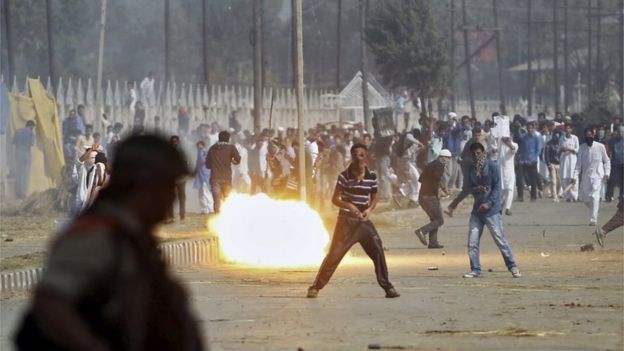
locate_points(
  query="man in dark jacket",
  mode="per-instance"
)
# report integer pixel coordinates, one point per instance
(221, 157)
(432, 179)
(106, 286)
(552, 153)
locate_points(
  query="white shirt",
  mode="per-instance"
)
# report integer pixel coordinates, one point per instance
(147, 91)
(593, 162)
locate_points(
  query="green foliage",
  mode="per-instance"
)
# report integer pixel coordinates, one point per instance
(407, 48)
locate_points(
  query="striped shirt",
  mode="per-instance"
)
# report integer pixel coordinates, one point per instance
(356, 191)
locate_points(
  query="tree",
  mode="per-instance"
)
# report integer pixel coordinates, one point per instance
(407, 48)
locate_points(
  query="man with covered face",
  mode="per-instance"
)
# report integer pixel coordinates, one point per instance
(356, 195)
(593, 166)
(484, 184)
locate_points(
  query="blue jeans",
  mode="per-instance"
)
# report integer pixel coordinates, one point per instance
(495, 226)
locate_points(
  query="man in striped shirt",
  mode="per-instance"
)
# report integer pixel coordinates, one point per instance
(356, 195)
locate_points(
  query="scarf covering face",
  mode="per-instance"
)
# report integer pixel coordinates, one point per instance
(479, 163)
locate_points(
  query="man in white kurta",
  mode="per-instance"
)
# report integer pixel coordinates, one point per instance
(241, 180)
(593, 166)
(569, 146)
(506, 157)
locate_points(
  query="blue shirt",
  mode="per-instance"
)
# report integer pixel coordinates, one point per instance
(530, 148)
(616, 146)
(69, 124)
(451, 141)
(24, 139)
(202, 174)
(490, 179)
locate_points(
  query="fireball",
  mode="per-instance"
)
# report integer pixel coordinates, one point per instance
(260, 231)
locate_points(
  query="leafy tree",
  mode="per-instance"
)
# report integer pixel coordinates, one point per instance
(407, 48)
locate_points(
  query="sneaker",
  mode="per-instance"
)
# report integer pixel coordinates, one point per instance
(508, 212)
(592, 223)
(312, 292)
(421, 236)
(600, 236)
(392, 293)
(435, 246)
(515, 272)
(520, 199)
(471, 275)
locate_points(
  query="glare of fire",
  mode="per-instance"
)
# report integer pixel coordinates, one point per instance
(260, 231)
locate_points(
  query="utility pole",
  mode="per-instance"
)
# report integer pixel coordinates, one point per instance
(261, 39)
(555, 56)
(468, 61)
(338, 44)
(567, 92)
(621, 54)
(167, 30)
(257, 44)
(367, 121)
(452, 53)
(301, 158)
(51, 70)
(100, 63)
(530, 59)
(293, 41)
(501, 91)
(589, 49)
(598, 46)
(205, 40)
(9, 35)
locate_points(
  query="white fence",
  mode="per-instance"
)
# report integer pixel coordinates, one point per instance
(205, 104)
(214, 103)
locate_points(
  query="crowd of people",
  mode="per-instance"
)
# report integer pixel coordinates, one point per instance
(557, 158)
(117, 208)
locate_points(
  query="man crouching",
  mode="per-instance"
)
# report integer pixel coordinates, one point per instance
(356, 195)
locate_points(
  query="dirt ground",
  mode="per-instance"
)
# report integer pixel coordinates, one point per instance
(566, 299)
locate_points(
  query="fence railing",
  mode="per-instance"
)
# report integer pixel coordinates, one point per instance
(215, 103)
(205, 103)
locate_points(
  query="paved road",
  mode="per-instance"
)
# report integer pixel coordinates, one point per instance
(570, 300)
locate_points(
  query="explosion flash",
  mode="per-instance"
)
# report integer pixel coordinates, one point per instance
(260, 231)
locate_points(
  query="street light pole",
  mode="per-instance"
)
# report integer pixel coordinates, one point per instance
(299, 88)
(98, 85)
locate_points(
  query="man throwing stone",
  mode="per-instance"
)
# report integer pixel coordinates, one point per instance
(484, 184)
(356, 195)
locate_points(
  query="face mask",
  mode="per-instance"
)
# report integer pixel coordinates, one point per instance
(589, 140)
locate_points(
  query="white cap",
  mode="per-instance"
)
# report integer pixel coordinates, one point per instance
(445, 153)
(452, 115)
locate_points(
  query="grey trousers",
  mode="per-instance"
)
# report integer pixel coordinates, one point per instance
(431, 206)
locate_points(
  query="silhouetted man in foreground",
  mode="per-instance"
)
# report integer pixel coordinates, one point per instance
(106, 286)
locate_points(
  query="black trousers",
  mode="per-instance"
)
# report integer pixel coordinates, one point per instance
(220, 191)
(528, 170)
(348, 232)
(180, 193)
(616, 179)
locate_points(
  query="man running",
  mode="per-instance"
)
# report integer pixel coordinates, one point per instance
(432, 179)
